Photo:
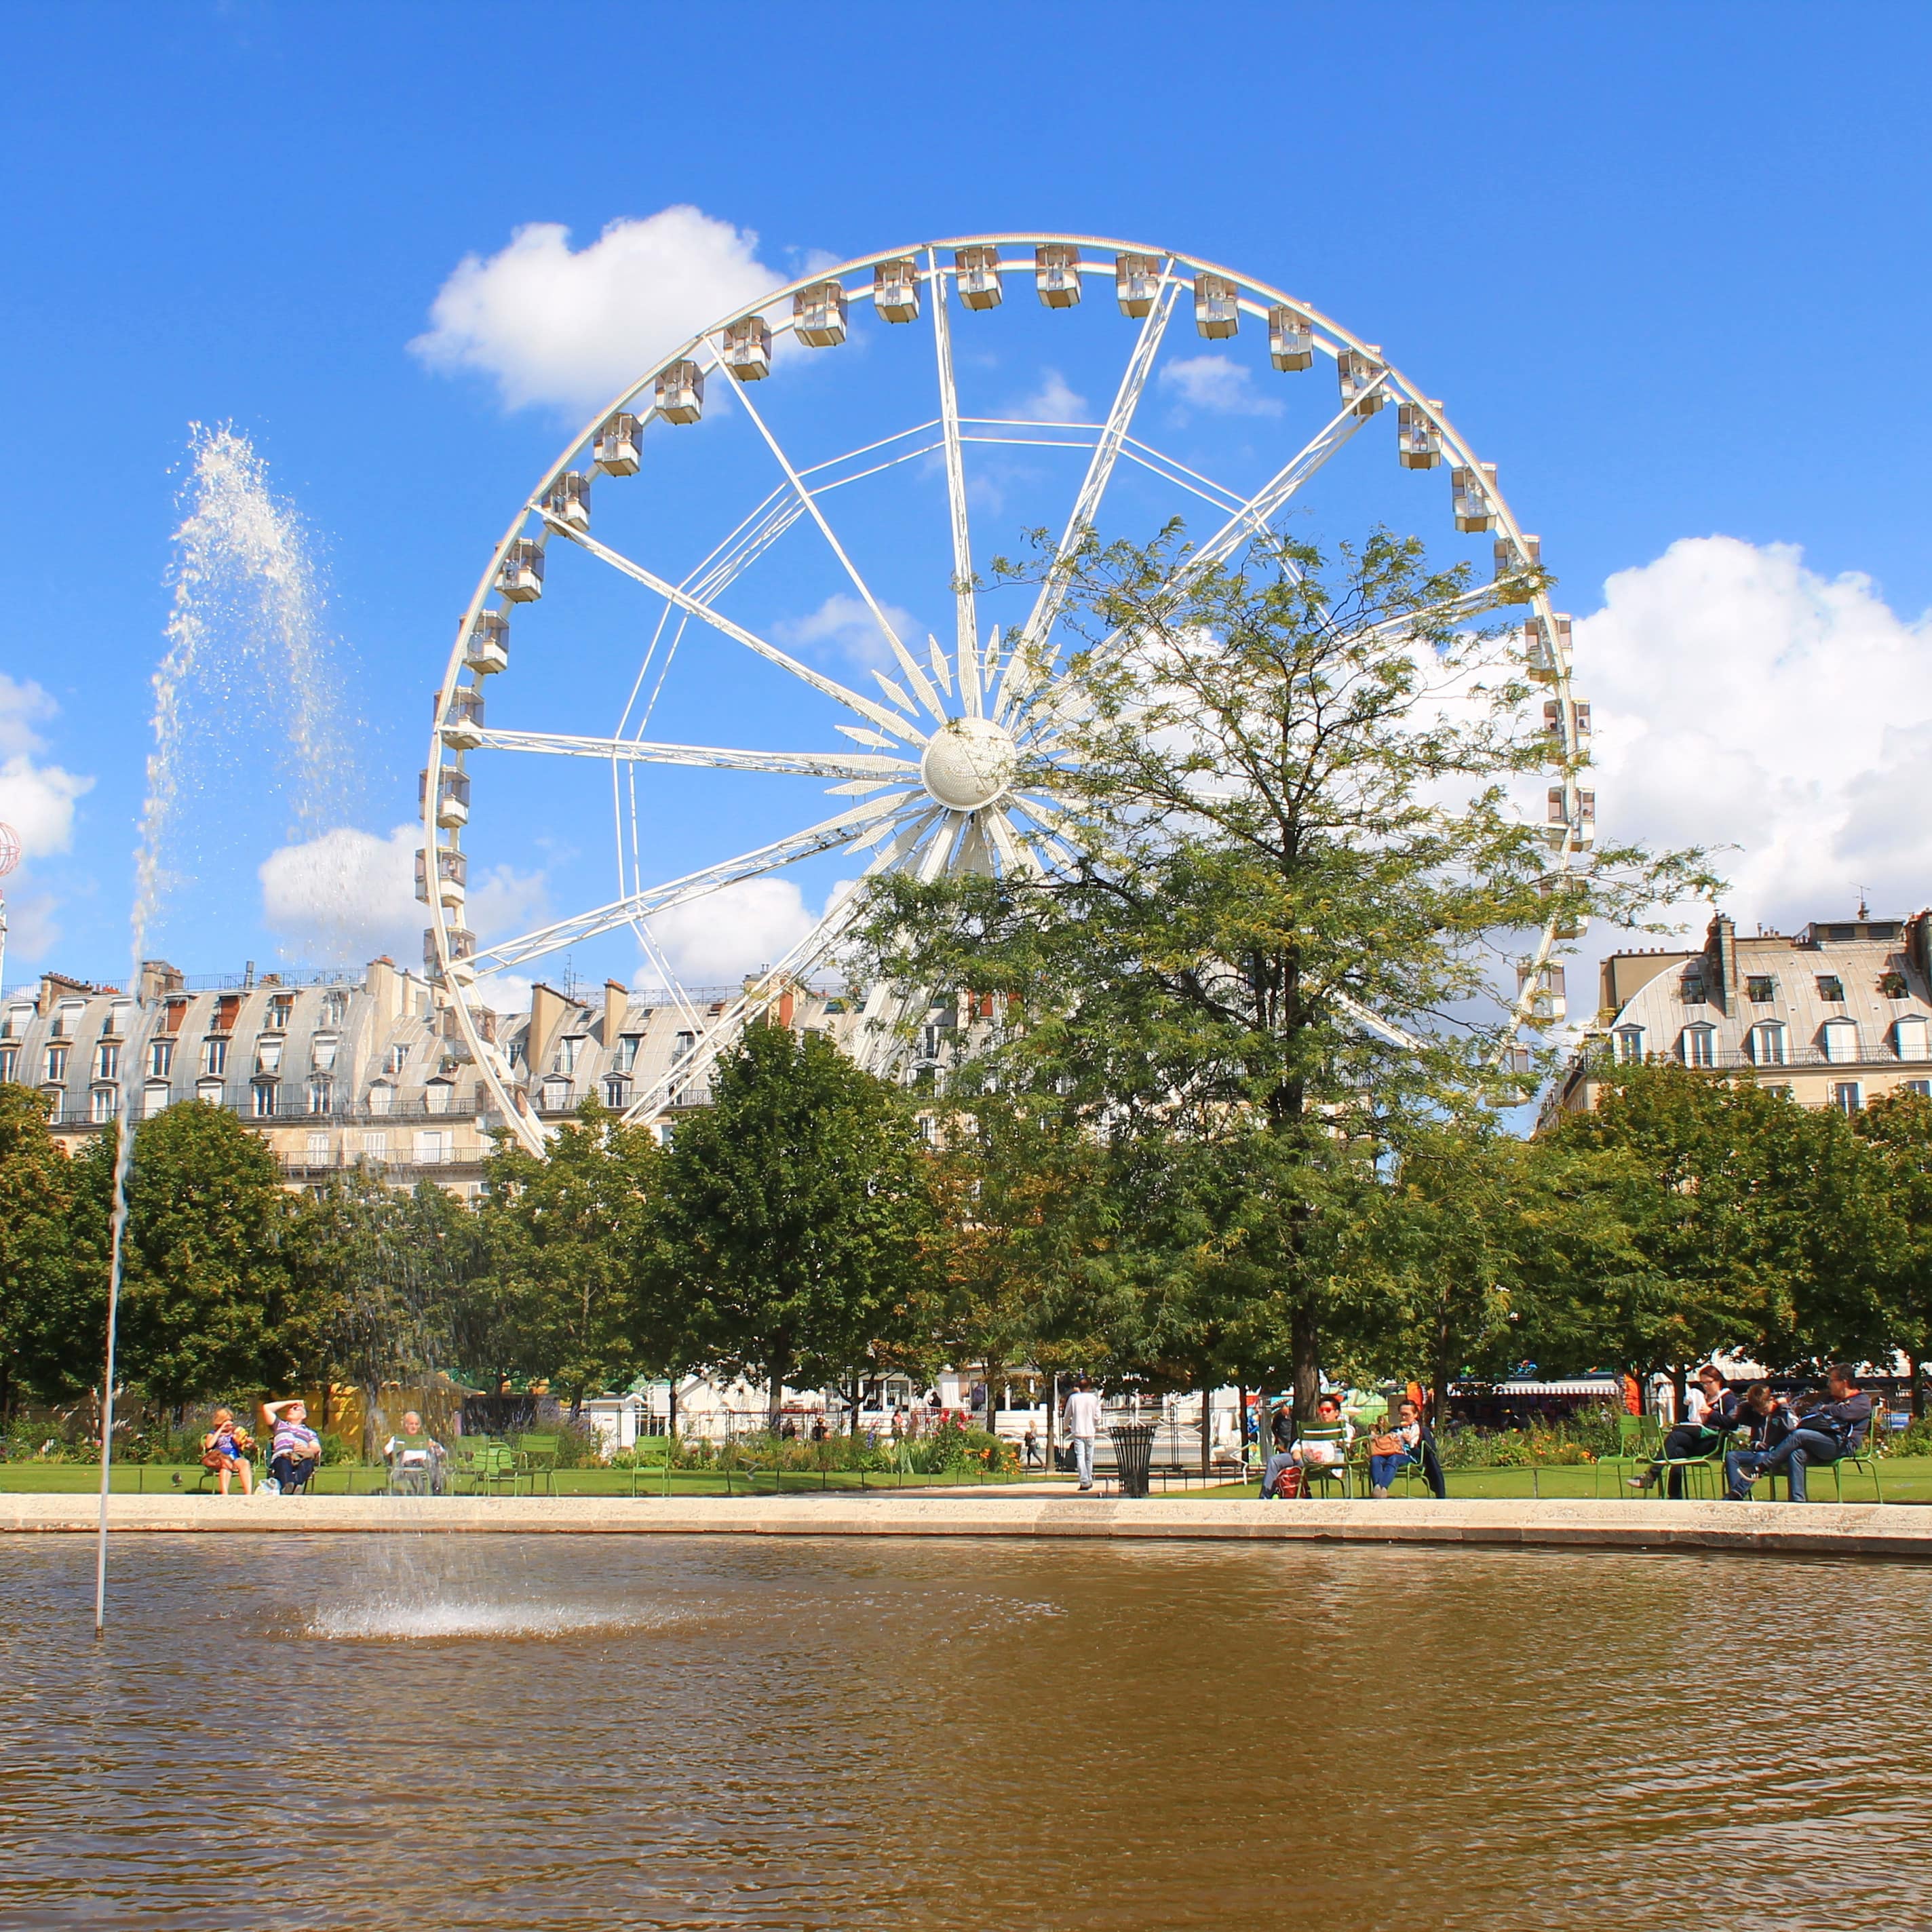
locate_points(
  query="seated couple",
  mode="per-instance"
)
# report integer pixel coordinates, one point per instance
(1323, 1443)
(1786, 1438)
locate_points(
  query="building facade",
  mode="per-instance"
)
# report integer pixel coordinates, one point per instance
(1834, 1015)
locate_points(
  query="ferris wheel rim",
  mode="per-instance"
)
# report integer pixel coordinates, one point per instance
(1180, 273)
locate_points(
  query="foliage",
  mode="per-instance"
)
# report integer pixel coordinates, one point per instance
(567, 1235)
(790, 1221)
(46, 1344)
(1284, 787)
(1898, 1130)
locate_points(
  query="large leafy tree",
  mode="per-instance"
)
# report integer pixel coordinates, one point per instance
(567, 1235)
(1283, 791)
(791, 1219)
(205, 1276)
(47, 1344)
(1897, 1127)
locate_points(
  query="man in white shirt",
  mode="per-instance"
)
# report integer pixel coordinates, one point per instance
(1082, 1416)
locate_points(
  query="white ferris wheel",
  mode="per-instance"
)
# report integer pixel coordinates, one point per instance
(736, 482)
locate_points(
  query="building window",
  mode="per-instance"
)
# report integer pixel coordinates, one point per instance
(1892, 986)
(56, 1063)
(1923, 1088)
(1700, 1046)
(208, 1092)
(322, 1052)
(1767, 1043)
(381, 1098)
(160, 1058)
(67, 1017)
(9, 1062)
(267, 1056)
(155, 1099)
(435, 1097)
(396, 1059)
(105, 1100)
(556, 1095)
(318, 1149)
(214, 1055)
(55, 1099)
(1839, 1040)
(334, 1009)
(617, 1092)
(665, 1131)
(1782, 1088)
(375, 1146)
(1909, 1037)
(1694, 995)
(628, 1044)
(15, 1023)
(1830, 986)
(1761, 989)
(321, 1095)
(566, 1052)
(116, 1022)
(1846, 1097)
(107, 1060)
(262, 1099)
(280, 1010)
(687, 1042)
(434, 1147)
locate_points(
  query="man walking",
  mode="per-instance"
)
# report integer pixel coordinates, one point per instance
(1082, 1417)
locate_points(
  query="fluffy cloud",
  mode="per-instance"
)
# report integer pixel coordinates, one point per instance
(1054, 401)
(37, 799)
(347, 895)
(1217, 385)
(715, 941)
(571, 327)
(1743, 701)
(844, 625)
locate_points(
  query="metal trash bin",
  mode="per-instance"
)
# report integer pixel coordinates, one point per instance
(1133, 1454)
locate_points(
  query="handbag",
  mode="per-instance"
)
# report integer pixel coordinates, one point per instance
(1386, 1445)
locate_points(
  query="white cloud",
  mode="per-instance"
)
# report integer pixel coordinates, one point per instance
(1054, 401)
(348, 896)
(1218, 385)
(37, 799)
(716, 940)
(571, 327)
(1741, 699)
(843, 623)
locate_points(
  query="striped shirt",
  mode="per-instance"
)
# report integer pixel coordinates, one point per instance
(295, 1440)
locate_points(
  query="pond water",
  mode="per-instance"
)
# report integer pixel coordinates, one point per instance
(347, 1732)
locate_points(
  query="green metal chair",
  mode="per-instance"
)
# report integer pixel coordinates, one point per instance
(537, 1462)
(485, 1467)
(1343, 1472)
(1703, 1474)
(1640, 1441)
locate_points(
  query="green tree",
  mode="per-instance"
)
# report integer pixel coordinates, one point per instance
(46, 1340)
(567, 1237)
(1898, 1129)
(791, 1218)
(1281, 792)
(205, 1279)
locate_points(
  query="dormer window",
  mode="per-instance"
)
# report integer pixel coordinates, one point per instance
(1830, 987)
(14, 1024)
(105, 1100)
(617, 1092)
(56, 1063)
(1694, 995)
(1767, 1046)
(396, 1059)
(382, 1097)
(1629, 1045)
(116, 1025)
(107, 1060)
(435, 1096)
(567, 1050)
(281, 1009)
(10, 1064)
(67, 1017)
(160, 1059)
(214, 1055)
(1760, 989)
(1910, 1037)
(263, 1100)
(1892, 986)
(321, 1094)
(334, 1009)
(1700, 1046)
(322, 1052)
(556, 1094)
(628, 1044)
(267, 1056)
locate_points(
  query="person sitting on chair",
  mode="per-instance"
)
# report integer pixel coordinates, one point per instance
(1713, 1414)
(295, 1450)
(1826, 1431)
(414, 1458)
(225, 1449)
(1322, 1445)
(1411, 1446)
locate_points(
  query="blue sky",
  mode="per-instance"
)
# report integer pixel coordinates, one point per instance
(1665, 264)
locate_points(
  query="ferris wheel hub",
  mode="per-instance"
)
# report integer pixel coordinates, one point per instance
(968, 763)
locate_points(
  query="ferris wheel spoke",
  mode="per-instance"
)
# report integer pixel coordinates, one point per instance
(967, 641)
(820, 838)
(636, 751)
(928, 696)
(888, 721)
(1100, 465)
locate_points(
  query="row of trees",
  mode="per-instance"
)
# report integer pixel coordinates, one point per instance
(1238, 1119)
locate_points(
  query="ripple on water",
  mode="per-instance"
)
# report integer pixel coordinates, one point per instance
(387, 1619)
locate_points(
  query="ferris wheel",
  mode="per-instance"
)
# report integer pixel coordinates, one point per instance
(756, 483)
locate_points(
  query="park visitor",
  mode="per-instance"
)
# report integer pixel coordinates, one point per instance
(1710, 1414)
(1322, 1445)
(1409, 1444)
(225, 1449)
(1033, 1460)
(1082, 1418)
(414, 1458)
(1822, 1432)
(295, 1450)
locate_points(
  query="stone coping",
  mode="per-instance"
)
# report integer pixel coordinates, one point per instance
(1823, 1529)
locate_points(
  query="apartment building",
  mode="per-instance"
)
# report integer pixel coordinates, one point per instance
(1834, 1015)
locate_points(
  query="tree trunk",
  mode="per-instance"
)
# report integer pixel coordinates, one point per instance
(1241, 1424)
(1439, 1371)
(1306, 1339)
(1917, 1394)
(1207, 1433)
(1052, 1418)
(775, 1401)
(1679, 1392)
(671, 1410)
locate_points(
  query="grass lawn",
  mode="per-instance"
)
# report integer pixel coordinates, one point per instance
(1906, 1480)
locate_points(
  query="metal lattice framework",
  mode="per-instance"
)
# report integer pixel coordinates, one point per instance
(930, 783)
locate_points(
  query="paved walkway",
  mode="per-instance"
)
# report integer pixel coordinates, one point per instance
(1847, 1529)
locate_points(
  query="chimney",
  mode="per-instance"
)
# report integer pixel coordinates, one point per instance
(1720, 947)
(547, 1008)
(617, 1004)
(385, 985)
(158, 978)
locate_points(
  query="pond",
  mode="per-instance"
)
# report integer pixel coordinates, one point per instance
(318, 1731)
